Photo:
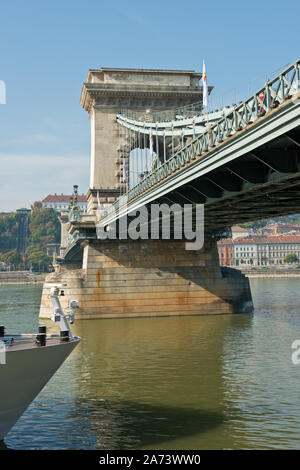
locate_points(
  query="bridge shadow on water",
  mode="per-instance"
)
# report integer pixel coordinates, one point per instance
(130, 425)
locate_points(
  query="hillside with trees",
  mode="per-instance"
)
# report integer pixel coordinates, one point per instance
(44, 228)
(9, 224)
(288, 219)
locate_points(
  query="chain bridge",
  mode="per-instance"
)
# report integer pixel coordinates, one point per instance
(244, 165)
(152, 142)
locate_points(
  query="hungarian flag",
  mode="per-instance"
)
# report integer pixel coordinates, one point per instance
(205, 89)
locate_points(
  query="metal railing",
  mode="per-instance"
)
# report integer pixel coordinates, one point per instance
(74, 238)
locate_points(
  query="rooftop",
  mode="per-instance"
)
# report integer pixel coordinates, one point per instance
(271, 239)
(226, 241)
(237, 228)
(63, 198)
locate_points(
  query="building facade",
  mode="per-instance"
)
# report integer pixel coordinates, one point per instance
(264, 251)
(245, 251)
(60, 202)
(259, 250)
(226, 252)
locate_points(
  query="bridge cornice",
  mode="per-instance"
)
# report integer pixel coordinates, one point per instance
(92, 92)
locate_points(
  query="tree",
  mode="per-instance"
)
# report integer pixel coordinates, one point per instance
(44, 228)
(290, 258)
(9, 224)
(12, 257)
(36, 205)
(39, 260)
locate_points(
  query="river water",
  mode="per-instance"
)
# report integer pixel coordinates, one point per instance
(211, 382)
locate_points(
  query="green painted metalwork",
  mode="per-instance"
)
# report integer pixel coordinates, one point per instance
(74, 211)
(281, 88)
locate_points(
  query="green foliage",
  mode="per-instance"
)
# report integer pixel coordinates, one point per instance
(39, 260)
(290, 258)
(256, 224)
(8, 231)
(288, 219)
(44, 228)
(11, 257)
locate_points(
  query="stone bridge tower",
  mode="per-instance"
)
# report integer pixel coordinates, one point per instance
(118, 278)
(105, 93)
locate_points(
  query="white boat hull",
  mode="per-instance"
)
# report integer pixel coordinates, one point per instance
(26, 372)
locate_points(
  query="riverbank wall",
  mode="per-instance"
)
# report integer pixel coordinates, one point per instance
(271, 273)
(11, 278)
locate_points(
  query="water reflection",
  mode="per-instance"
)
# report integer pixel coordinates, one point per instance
(152, 359)
(126, 425)
(158, 380)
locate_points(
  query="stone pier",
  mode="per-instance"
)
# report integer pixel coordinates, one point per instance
(150, 278)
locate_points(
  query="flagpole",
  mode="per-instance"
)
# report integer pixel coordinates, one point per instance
(207, 123)
(205, 96)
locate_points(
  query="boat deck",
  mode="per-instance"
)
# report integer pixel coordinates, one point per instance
(21, 342)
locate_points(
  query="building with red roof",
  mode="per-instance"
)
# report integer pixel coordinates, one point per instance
(238, 232)
(259, 250)
(266, 250)
(60, 202)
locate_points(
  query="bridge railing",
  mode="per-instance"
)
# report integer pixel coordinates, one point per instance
(76, 237)
(275, 92)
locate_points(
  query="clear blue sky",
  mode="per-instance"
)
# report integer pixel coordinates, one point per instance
(47, 47)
